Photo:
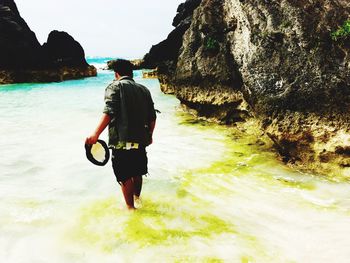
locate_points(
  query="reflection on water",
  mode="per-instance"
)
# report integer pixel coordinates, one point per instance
(213, 194)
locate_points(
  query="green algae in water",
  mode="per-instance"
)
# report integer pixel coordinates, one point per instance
(289, 182)
(196, 259)
(179, 219)
(247, 259)
(104, 225)
(176, 220)
(253, 148)
(245, 155)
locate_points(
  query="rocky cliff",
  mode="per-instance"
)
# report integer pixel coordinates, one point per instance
(285, 63)
(23, 59)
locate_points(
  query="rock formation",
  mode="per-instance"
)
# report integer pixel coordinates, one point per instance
(167, 50)
(23, 59)
(62, 50)
(280, 61)
(137, 64)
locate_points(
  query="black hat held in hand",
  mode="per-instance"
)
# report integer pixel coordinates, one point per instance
(97, 153)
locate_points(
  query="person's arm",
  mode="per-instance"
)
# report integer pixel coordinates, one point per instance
(100, 128)
(111, 99)
(153, 117)
(152, 124)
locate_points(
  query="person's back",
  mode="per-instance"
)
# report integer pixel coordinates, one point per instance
(137, 111)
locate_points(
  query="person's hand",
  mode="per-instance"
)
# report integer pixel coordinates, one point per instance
(92, 139)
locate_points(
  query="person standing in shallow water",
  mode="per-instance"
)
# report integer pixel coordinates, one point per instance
(129, 112)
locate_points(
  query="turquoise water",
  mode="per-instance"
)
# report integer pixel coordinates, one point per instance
(214, 194)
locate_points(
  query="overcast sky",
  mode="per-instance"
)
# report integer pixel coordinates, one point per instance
(103, 27)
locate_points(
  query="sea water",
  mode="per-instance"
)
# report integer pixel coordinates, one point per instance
(213, 193)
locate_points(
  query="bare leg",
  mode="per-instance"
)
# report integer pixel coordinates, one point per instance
(137, 185)
(137, 191)
(128, 192)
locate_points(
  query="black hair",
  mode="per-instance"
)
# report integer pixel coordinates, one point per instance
(122, 67)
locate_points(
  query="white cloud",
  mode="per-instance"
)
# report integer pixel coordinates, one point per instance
(103, 27)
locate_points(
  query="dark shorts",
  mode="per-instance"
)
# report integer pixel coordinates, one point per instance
(129, 163)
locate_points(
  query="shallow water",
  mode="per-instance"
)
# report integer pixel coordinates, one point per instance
(213, 194)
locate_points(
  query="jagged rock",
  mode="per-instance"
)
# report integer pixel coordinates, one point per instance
(168, 50)
(23, 59)
(279, 58)
(185, 11)
(19, 47)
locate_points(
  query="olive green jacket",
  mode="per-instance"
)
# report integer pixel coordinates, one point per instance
(131, 109)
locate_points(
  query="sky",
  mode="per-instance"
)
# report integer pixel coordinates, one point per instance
(112, 28)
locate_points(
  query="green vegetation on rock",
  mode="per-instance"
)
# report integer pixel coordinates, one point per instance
(211, 44)
(342, 32)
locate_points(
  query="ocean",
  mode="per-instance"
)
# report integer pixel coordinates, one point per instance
(213, 193)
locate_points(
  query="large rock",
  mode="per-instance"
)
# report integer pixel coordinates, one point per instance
(168, 50)
(23, 59)
(62, 50)
(19, 47)
(276, 61)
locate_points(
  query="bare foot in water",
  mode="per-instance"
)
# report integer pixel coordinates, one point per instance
(131, 208)
(137, 201)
